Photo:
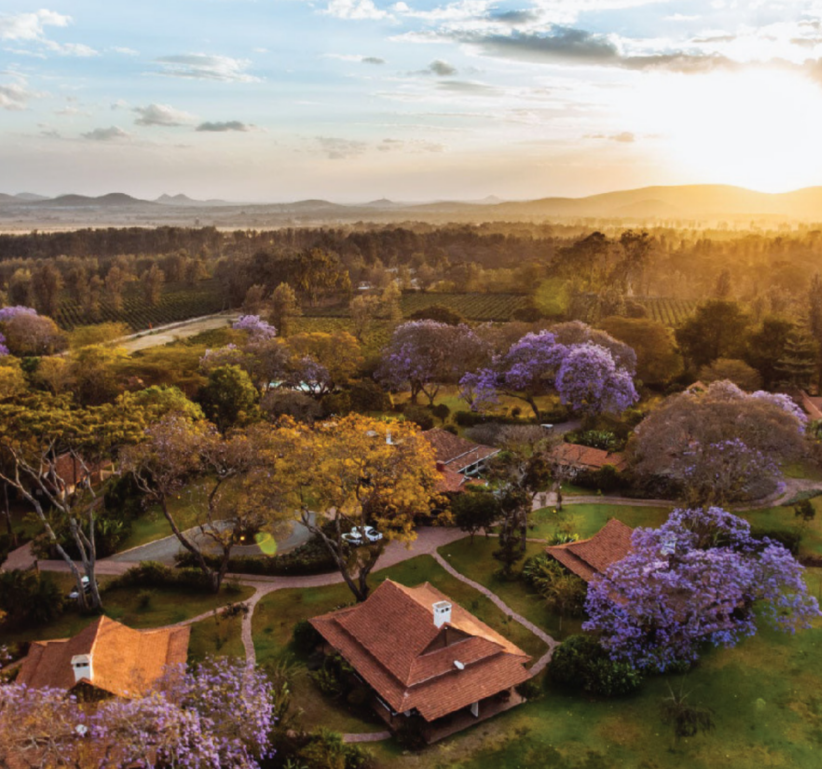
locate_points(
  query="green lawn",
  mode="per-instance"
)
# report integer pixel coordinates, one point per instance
(277, 613)
(784, 518)
(150, 526)
(167, 606)
(476, 562)
(587, 520)
(217, 636)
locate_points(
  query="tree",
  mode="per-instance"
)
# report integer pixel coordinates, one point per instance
(95, 373)
(258, 330)
(229, 472)
(364, 310)
(657, 361)
(585, 375)
(152, 282)
(28, 333)
(100, 333)
(358, 472)
(686, 720)
(184, 721)
(46, 283)
(115, 282)
(284, 308)
(736, 371)
(254, 299)
(766, 347)
(48, 453)
(439, 312)
(798, 363)
(692, 581)
(721, 444)
(229, 397)
(20, 288)
(324, 361)
(424, 354)
(718, 329)
(474, 509)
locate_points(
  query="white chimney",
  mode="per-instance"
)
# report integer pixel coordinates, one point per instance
(388, 439)
(442, 613)
(81, 665)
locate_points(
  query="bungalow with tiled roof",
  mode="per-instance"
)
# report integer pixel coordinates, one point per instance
(426, 658)
(594, 555)
(458, 454)
(582, 458)
(106, 659)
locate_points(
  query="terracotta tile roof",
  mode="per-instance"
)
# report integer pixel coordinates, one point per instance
(812, 405)
(392, 642)
(456, 452)
(594, 555)
(450, 481)
(124, 662)
(70, 470)
(588, 458)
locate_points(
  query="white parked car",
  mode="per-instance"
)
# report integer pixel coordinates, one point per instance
(358, 536)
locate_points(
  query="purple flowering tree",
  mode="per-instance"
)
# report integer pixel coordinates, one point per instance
(217, 714)
(786, 403)
(424, 354)
(9, 313)
(3, 349)
(257, 328)
(590, 381)
(692, 581)
(585, 375)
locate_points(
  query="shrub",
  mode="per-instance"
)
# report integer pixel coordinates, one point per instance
(596, 439)
(605, 479)
(305, 636)
(580, 663)
(144, 598)
(529, 690)
(29, 598)
(788, 539)
(150, 574)
(326, 750)
(420, 415)
(336, 404)
(366, 395)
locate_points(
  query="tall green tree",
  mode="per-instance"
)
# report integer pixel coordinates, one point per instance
(718, 329)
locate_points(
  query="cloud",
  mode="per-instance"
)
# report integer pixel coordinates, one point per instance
(71, 112)
(161, 115)
(106, 134)
(15, 96)
(223, 127)
(513, 17)
(30, 26)
(341, 149)
(625, 137)
(70, 49)
(354, 57)
(442, 68)
(125, 51)
(200, 66)
(355, 9)
(415, 145)
(466, 86)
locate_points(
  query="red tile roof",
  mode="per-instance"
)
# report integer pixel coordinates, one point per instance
(392, 642)
(587, 458)
(124, 662)
(594, 555)
(456, 452)
(451, 482)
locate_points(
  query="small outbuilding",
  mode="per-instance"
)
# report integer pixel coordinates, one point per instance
(594, 555)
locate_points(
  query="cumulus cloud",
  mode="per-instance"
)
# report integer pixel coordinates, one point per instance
(442, 68)
(222, 127)
(161, 115)
(125, 51)
(355, 9)
(30, 26)
(201, 66)
(341, 149)
(372, 60)
(467, 86)
(355, 57)
(70, 49)
(514, 17)
(14, 96)
(415, 145)
(106, 134)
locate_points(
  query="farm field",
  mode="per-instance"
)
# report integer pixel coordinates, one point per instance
(669, 311)
(177, 302)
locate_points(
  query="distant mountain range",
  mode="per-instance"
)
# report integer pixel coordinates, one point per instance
(701, 201)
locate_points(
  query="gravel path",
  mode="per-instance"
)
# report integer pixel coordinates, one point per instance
(174, 331)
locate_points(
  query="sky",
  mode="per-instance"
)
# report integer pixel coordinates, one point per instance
(354, 100)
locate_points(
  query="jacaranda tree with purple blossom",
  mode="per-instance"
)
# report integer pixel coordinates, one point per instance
(585, 375)
(257, 328)
(217, 714)
(700, 578)
(424, 354)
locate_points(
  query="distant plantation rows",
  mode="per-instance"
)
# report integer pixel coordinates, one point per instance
(176, 303)
(671, 312)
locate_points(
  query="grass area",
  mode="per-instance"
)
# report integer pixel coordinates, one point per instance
(166, 606)
(149, 527)
(277, 613)
(784, 518)
(216, 636)
(587, 520)
(766, 707)
(475, 561)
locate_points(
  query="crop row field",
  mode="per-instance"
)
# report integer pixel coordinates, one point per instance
(176, 303)
(671, 312)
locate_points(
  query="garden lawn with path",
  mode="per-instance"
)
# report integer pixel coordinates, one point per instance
(764, 697)
(218, 636)
(587, 519)
(162, 606)
(784, 518)
(278, 612)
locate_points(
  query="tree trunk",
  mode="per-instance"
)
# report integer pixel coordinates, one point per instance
(533, 404)
(559, 497)
(335, 550)
(12, 534)
(188, 545)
